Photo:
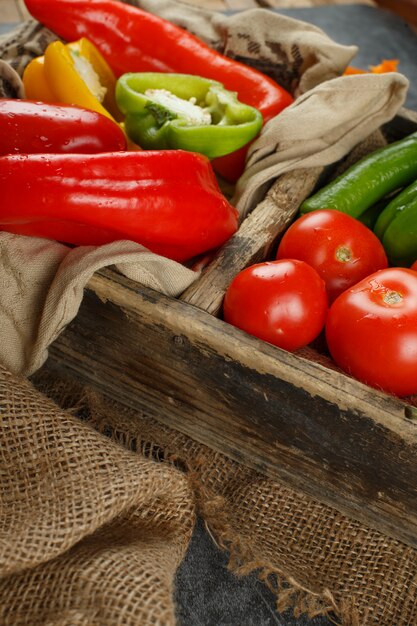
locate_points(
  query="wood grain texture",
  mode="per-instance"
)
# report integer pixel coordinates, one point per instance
(406, 9)
(292, 419)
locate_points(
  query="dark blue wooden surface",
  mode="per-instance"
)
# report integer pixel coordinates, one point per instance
(379, 34)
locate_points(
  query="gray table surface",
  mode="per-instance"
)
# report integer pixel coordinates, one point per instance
(378, 33)
(207, 594)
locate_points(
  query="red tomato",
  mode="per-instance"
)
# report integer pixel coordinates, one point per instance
(339, 247)
(414, 266)
(371, 331)
(283, 302)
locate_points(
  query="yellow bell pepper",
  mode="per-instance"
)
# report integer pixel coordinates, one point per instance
(74, 73)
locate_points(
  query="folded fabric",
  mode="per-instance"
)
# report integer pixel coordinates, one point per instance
(11, 85)
(93, 527)
(42, 285)
(318, 129)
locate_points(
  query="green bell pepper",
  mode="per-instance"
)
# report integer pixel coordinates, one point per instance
(186, 112)
(396, 227)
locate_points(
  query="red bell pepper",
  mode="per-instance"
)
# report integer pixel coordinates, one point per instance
(133, 40)
(169, 201)
(29, 127)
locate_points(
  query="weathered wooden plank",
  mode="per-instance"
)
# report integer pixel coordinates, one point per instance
(316, 429)
(254, 239)
(260, 231)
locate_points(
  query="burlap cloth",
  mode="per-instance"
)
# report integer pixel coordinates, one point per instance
(98, 503)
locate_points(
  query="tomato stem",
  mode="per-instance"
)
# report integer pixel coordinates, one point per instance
(343, 254)
(392, 297)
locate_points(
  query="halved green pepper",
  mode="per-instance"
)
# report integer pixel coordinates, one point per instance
(181, 111)
(396, 227)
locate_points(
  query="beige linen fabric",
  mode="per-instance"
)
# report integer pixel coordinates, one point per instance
(320, 128)
(42, 285)
(45, 280)
(298, 55)
(11, 85)
(314, 559)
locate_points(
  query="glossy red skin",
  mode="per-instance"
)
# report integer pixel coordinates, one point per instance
(374, 341)
(316, 238)
(28, 127)
(282, 302)
(134, 40)
(414, 266)
(169, 201)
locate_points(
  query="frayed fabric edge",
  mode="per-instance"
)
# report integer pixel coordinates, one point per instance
(289, 593)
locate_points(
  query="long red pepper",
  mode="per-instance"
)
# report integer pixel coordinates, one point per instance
(30, 127)
(133, 40)
(169, 201)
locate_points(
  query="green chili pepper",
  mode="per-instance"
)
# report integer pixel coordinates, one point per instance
(181, 111)
(369, 180)
(400, 237)
(396, 227)
(394, 208)
(370, 216)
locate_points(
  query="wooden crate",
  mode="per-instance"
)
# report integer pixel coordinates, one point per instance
(286, 415)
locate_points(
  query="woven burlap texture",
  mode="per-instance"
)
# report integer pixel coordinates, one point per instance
(91, 533)
(93, 555)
